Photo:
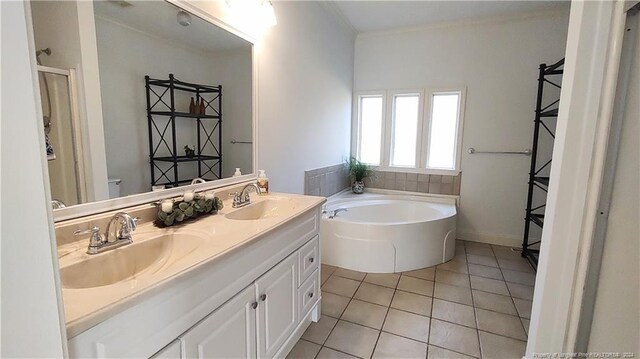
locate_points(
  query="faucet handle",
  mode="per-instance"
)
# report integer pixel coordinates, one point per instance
(92, 230)
(96, 238)
(127, 227)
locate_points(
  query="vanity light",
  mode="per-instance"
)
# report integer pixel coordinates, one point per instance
(253, 13)
(268, 14)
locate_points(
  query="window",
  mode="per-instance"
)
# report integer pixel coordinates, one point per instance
(370, 109)
(443, 133)
(405, 129)
(419, 130)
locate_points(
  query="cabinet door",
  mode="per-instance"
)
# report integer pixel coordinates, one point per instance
(171, 351)
(228, 332)
(277, 306)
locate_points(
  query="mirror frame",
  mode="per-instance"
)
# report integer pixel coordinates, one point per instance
(214, 14)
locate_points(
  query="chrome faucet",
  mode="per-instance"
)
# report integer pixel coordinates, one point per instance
(57, 204)
(111, 240)
(334, 213)
(242, 198)
(197, 180)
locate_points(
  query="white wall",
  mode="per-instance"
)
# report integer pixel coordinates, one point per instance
(30, 313)
(616, 314)
(498, 62)
(233, 71)
(304, 97)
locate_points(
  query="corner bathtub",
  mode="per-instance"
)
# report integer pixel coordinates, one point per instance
(388, 233)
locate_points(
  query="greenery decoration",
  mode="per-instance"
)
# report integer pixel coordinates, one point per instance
(358, 171)
(183, 211)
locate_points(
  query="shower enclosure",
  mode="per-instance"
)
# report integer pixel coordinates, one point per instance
(62, 134)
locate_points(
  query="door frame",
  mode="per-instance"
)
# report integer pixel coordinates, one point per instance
(586, 105)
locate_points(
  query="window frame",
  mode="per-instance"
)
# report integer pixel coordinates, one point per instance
(390, 126)
(459, 127)
(356, 124)
(423, 131)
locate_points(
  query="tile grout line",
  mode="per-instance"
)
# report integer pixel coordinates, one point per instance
(342, 313)
(385, 315)
(434, 298)
(433, 292)
(526, 332)
(473, 302)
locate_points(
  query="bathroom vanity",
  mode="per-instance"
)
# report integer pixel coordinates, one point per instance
(242, 283)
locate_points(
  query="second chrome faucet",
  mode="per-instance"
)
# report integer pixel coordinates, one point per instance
(242, 198)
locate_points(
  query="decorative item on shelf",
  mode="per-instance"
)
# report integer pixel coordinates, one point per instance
(192, 107)
(202, 109)
(190, 151)
(172, 212)
(237, 173)
(358, 171)
(188, 196)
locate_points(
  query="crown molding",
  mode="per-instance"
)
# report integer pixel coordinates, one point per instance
(331, 7)
(469, 22)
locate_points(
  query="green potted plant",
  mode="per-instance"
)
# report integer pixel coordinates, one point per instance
(358, 171)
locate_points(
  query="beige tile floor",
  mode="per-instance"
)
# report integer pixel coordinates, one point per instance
(477, 305)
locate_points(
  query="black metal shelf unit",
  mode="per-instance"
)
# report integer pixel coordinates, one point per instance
(163, 144)
(545, 113)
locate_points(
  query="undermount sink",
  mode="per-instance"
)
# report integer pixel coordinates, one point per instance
(128, 262)
(268, 208)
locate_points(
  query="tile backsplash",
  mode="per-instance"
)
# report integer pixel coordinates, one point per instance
(414, 182)
(326, 181)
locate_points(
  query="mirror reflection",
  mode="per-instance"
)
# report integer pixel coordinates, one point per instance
(175, 94)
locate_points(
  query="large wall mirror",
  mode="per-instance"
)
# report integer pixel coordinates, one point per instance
(176, 96)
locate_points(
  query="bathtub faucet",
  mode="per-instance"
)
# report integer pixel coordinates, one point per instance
(334, 212)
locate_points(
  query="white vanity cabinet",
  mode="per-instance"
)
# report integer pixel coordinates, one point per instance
(229, 332)
(255, 322)
(254, 303)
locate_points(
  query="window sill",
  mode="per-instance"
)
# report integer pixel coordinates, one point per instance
(428, 171)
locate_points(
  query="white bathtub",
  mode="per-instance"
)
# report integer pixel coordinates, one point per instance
(388, 233)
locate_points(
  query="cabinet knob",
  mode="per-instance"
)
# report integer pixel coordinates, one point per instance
(310, 294)
(263, 297)
(311, 259)
(254, 305)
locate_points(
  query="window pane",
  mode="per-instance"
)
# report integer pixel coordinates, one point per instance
(370, 129)
(443, 136)
(405, 130)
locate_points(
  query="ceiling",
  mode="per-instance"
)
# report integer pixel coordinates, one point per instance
(159, 18)
(372, 16)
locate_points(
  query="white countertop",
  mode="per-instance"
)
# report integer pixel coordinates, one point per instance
(87, 307)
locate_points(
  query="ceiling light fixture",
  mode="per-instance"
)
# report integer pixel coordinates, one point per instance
(184, 18)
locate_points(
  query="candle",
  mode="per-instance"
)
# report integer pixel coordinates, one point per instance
(209, 195)
(167, 206)
(188, 196)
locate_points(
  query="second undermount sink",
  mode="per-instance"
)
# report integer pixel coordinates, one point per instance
(128, 262)
(268, 208)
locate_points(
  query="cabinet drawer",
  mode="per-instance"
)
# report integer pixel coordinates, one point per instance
(308, 293)
(308, 259)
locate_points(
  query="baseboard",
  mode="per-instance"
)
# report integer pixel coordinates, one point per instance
(501, 240)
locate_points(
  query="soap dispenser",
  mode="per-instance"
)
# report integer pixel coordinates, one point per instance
(263, 182)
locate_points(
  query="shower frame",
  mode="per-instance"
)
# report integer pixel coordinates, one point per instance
(76, 125)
